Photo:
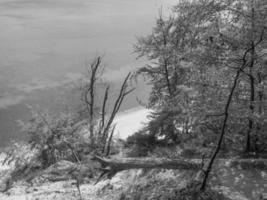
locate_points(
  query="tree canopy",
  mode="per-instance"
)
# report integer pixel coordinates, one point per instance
(194, 56)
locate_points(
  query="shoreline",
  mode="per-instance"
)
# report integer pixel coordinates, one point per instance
(130, 121)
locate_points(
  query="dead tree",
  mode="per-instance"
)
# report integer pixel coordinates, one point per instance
(101, 134)
(111, 167)
(89, 96)
(122, 94)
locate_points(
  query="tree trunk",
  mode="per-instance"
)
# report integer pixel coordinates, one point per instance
(251, 102)
(252, 83)
(260, 111)
(110, 167)
(208, 167)
(149, 163)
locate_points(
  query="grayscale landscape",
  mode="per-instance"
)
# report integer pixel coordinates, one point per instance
(129, 100)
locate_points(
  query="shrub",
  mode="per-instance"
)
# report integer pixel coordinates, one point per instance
(140, 144)
(55, 138)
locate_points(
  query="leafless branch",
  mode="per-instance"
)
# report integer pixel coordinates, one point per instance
(116, 108)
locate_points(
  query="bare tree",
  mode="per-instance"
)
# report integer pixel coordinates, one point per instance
(89, 95)
(123, 92)
(100, 124)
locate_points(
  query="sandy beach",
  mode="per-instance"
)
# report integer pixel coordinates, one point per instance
(130, 121)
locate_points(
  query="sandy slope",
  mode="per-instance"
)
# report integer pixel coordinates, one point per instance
(104, 190)
(130, 121)
(51, 191)
(65, 190)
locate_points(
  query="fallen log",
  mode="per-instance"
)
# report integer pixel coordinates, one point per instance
(149, 163)
(110, 167)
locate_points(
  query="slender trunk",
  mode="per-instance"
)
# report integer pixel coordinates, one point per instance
(260, 93)
(165, 64)
(94, 68)
(226, 115)
(251, 108)
(187, 125)
(260, 109)
(122, 94)
(103, 116)
(110, 140)
(252, 86)
(167, 77)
